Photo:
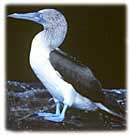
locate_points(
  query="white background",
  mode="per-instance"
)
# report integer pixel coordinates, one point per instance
(3, 4)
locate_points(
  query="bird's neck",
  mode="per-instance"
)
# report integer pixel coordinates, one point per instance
(40, 48)
(55, 35)
(47, 40)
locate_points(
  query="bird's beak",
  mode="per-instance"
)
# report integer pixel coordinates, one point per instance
(35, 16)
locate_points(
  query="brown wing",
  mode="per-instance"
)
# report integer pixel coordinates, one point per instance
(79, 75)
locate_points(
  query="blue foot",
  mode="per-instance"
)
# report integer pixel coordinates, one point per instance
(58, 118)
(46, 114)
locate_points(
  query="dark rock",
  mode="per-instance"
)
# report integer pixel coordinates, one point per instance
(24, 99)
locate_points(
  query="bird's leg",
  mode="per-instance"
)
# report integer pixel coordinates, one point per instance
(58, 118)
(57, 108)
(44, 114)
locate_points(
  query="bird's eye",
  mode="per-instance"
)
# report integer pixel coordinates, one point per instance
(40, 15)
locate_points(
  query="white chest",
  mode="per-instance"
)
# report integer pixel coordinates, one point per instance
(40, 63)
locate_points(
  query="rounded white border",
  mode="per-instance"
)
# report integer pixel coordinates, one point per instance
(3, 4)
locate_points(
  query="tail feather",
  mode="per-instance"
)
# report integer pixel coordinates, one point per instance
(104, 108)
(84, 103)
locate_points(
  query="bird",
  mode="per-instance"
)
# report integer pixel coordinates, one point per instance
(68, 82)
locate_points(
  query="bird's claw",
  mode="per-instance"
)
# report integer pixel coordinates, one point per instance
(43, 114)
(59, 118)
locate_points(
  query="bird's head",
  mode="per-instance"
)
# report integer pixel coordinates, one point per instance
(54, 22)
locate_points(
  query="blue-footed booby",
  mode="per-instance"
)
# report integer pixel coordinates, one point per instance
(50, 67)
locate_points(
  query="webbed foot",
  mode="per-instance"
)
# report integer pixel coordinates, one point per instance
(58, 118)
(44, 114)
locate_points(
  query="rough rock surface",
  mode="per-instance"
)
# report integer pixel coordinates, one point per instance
(24, 99)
